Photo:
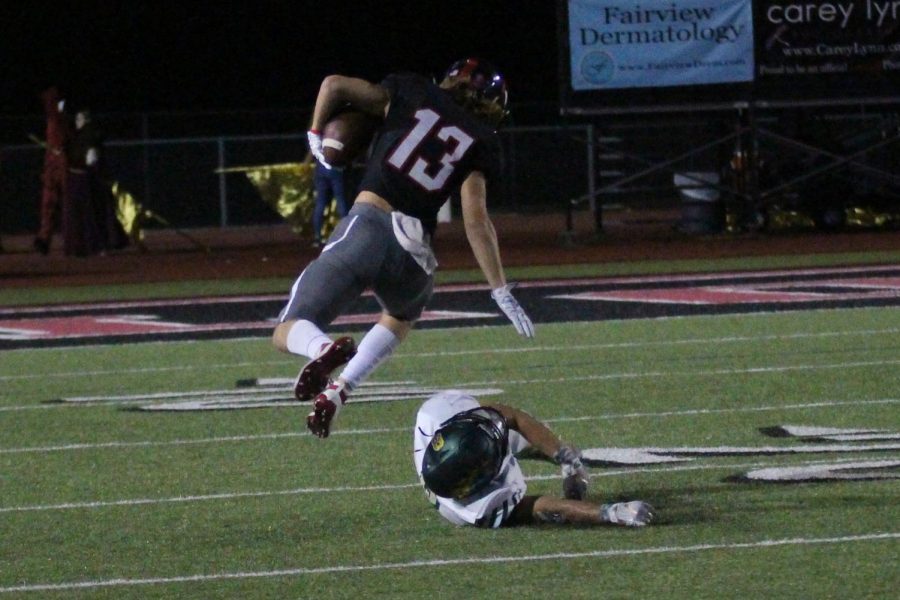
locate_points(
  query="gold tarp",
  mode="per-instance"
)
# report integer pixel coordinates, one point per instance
(864, 217)
(288, 189)
(132, 216)
(129, 213)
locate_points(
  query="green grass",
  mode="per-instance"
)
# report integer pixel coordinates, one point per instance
(275, 513)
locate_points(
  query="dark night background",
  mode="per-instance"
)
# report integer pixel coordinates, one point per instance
(184, 56)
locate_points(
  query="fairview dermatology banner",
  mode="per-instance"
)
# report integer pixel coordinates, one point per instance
(854, 37)
(618, 44)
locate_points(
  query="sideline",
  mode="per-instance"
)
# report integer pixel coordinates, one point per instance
(460, 287)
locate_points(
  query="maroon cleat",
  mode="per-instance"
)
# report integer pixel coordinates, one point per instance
(316, 374)
(326, 407)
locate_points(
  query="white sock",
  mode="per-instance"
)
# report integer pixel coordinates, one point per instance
(306, 339)
(375, 347)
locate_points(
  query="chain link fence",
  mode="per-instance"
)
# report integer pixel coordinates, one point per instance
(179, 179)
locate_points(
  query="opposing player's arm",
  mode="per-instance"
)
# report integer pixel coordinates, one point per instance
(548, 509)
(338, 90)
(537, 434)
(480, 230)
(568, 457)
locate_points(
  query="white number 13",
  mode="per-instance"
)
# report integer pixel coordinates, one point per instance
(427, 121)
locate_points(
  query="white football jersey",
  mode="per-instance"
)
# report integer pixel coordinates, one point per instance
(491, 506)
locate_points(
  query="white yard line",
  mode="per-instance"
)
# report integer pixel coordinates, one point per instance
(703, 373)
(478, 352)
(598, 377)
(438, 563)
(117, 372)
(203, 498)
(596, 473)
(211, 440)
(352, 432)
(716, 411)
(654, 343)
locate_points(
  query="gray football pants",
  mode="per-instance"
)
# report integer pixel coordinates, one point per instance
(362, 253)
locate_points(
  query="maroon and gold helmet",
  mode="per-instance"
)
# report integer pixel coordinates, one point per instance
(478, 87)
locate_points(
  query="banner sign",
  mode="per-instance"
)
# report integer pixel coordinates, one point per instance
(853, 37)
(617, 44)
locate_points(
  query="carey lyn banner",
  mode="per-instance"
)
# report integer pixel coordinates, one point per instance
(853, 37)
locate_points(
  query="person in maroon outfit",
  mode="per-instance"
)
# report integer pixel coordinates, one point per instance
(53, 175)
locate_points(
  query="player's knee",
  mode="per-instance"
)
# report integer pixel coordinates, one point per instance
(399, 326)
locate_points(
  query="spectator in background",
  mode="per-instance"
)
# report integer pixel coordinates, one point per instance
(90, 225)
(53, 176)
(329, 183)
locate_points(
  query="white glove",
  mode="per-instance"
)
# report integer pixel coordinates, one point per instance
(575, 476)
(513, 311)
(315, 146)
(636, 513)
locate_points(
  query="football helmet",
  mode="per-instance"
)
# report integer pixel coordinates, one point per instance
(466, 453)
(478, 87)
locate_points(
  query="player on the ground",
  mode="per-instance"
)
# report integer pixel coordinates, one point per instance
(435, 140)
(465, 455)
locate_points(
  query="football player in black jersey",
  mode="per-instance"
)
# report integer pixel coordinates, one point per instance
(435, 140)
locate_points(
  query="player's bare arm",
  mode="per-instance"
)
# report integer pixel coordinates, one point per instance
(483, 240)
(537, 434)
(338, 90)
(480, 230)
(575, 476)
(559, 511)
(545, 509)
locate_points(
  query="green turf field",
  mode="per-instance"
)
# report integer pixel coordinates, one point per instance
(101, 502)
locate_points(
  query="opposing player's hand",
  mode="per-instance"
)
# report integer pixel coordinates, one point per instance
(636, 513)
(315, 146)
(513, 311)
(575, 476)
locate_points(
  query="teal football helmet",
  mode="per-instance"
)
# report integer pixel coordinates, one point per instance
(465, 453)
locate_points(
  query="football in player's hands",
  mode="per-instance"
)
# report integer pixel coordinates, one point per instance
(346, 135)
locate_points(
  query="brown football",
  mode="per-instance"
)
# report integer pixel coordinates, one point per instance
(347, 135)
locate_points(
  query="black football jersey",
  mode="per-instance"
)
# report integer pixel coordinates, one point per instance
(426, 148)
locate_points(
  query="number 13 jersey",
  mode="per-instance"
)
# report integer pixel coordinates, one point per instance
(426, 148)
